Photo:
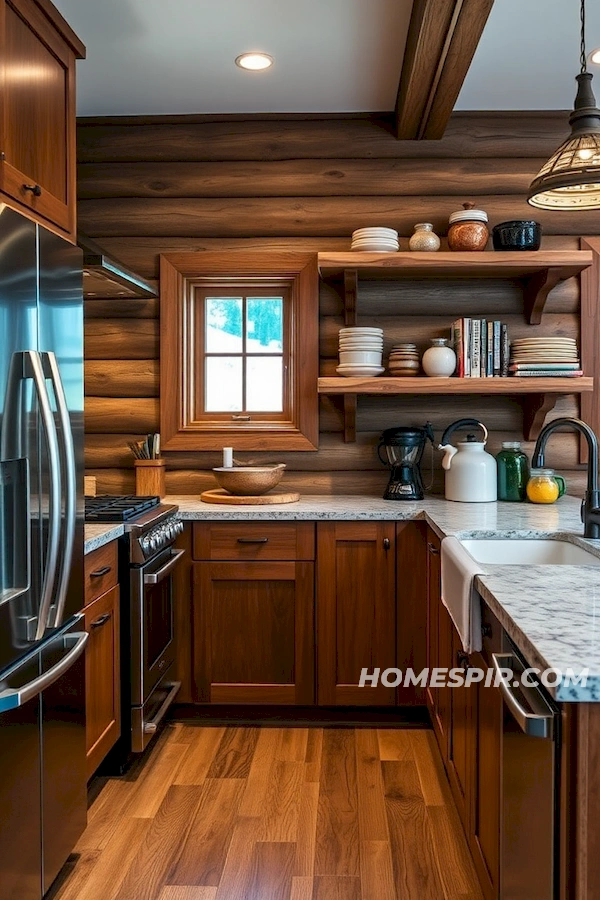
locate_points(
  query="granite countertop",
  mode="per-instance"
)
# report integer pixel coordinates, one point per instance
(96, 536)
(552, 614)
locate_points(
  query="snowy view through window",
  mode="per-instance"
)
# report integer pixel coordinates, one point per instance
(244, 354)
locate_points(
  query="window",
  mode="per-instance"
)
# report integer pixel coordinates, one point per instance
(239, 351)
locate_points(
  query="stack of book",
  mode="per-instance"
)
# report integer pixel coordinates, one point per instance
(482, 348)
(545, 357)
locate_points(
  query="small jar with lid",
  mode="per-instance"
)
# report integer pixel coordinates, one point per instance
(468, 229)
(424, 239)
(544, 486)
(513, 472)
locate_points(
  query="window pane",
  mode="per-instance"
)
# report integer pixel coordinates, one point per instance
(264, 324)
(264, 384)
(223, 318)
(223, 391)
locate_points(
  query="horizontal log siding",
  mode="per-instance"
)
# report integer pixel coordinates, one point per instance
(305, 184)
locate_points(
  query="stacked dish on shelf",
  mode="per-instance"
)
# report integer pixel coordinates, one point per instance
(361, 350)
(404, 360)
(545, 357)
(375, 240)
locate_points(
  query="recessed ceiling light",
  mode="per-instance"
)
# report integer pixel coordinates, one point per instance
(255, 62)
(595, 57)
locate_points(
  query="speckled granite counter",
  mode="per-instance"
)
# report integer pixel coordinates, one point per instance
(553, 615)
(98, 535)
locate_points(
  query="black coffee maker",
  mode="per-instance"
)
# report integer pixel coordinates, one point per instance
(404, 448)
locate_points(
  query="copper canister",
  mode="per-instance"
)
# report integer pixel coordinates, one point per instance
(468, 229)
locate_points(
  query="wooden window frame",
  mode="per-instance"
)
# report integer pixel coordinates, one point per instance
(180, 274)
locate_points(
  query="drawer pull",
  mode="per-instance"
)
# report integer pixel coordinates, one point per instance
(100, 572)
(34, 188)
(253, 540)
(386, 543)
(102, 620)
(433, 549)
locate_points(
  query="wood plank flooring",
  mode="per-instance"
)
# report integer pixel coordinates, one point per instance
(275, 814)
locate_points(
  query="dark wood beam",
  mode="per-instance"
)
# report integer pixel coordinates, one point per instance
(442, 38)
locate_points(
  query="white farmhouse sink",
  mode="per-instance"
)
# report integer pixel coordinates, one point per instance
(528, 552)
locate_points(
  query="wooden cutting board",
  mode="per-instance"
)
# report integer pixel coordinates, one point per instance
(218, 495)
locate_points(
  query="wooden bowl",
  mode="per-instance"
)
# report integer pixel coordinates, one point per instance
(249, 481)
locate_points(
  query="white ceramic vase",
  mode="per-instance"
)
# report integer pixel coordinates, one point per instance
(424, 240)
(439, 360)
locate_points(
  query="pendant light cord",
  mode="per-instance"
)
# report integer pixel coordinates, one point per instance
(583, 58)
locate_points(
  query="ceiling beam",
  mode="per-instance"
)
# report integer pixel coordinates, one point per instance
(442, 38)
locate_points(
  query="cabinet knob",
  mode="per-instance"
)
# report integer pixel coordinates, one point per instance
(102, 620)
(463, 660)
(34, 188)
(433, 549)
(486, 630)
(386, 543)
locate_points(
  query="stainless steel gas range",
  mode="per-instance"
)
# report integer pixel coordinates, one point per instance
(147, 559)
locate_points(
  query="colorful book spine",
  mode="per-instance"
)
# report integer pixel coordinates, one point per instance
(457, 341)
(467, 329)
(504, 352)
(490, 349)
(483, 339)
(497, 348)
(475, 348)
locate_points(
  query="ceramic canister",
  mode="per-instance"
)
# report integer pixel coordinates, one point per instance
(424, 240)
(468, 229)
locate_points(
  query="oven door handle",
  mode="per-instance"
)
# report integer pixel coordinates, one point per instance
(163, 572)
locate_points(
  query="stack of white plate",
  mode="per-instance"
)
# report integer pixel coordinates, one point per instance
(361, 350)
(375, 240)
(552, 355)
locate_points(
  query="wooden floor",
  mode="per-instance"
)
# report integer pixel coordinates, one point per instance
(276, 814)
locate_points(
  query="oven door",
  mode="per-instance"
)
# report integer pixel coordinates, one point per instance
(152, 644)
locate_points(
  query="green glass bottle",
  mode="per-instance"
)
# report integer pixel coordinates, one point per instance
(513, 472)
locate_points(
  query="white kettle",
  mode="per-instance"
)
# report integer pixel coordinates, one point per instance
(471, 473)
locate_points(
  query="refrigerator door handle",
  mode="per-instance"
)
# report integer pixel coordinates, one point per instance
(24, 365)
(52, 371)
(13, 698)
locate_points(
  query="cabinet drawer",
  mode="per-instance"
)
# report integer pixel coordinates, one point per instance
(100, 571)
(249, 541)
(103, 725)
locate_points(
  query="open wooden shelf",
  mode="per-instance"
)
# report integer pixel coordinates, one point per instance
(424, 385)
(540, 270)
(538, 396)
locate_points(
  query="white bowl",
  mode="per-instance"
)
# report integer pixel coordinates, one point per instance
(356, 371)
(365, 357)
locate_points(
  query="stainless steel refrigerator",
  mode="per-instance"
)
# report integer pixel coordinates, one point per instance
(42, 640)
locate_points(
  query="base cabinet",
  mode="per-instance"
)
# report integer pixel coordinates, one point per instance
(253, 632)
(103, 698)
(356, 610)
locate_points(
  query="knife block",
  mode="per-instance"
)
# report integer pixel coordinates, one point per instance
(149, 477)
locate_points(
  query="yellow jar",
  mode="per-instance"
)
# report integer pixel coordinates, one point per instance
(544, 486)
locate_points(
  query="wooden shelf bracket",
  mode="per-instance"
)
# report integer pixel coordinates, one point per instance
(535, 409)
(537, 288)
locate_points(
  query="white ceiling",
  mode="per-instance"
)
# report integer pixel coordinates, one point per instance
(153, 57)
(177, 56)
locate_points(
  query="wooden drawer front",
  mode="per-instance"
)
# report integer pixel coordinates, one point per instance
(101, 571)
(254, 541)
(103, 708)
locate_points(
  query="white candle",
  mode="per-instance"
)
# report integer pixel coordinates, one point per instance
(227, 457)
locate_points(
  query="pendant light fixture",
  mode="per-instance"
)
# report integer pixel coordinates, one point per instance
(571, 177)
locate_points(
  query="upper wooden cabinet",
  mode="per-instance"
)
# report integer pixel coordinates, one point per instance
(38, 51)
(239, 348)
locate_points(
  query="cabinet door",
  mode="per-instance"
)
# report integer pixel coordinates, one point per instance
(485, 831)
(462, 733)
(356, 610)
(439, 647)
(411, 605)
(103, 696)
(254, 632)
(37, 130)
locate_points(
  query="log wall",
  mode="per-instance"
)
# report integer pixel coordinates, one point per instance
(148, 186)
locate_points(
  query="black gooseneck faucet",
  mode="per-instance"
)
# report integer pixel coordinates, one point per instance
(590, 507)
